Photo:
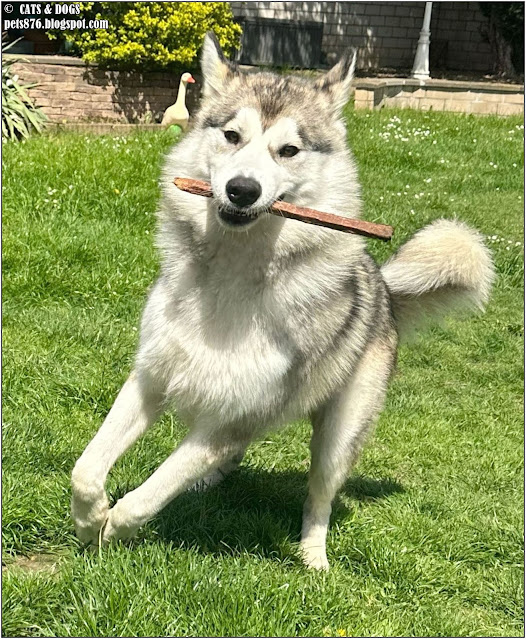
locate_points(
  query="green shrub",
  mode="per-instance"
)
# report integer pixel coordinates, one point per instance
(19, 115)
(152, 35)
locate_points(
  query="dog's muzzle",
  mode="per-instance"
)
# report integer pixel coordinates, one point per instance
(243, 192)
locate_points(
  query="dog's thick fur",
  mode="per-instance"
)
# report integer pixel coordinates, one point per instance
(255, 320)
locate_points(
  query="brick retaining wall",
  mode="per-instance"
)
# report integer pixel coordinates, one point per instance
(440, 95)
(70, 91)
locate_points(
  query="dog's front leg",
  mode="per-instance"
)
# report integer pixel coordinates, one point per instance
(134, 410)
(338, 432)
(198, 455)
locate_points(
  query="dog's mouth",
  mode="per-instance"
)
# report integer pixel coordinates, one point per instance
(241, 218)
(237, 218)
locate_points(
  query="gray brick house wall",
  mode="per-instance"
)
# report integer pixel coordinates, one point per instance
(386, 33)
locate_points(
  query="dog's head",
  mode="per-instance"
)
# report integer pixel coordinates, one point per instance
(266, 133)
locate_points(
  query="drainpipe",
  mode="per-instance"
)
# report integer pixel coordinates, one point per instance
(421, 64)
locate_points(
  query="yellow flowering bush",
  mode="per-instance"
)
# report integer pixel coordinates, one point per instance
(152, 35)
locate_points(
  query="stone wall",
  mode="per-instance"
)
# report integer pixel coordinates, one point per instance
(68, 90)
(386, 33)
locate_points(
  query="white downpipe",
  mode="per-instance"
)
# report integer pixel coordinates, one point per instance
(421, 64)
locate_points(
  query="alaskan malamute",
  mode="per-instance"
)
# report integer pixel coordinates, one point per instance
(255, 320)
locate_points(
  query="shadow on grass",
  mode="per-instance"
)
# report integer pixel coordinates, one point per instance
(254, 511)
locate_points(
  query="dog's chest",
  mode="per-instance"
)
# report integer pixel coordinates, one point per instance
(220, 349)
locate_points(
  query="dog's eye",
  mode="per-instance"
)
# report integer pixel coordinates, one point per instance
(288, 151)
(232, 137)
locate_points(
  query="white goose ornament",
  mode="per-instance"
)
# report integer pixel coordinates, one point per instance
(178, 113)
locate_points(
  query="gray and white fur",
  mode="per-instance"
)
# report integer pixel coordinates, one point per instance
(255, 320)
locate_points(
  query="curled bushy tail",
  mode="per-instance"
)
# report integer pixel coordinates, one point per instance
(442, 268)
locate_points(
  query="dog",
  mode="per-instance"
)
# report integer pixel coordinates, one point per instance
(256, 320)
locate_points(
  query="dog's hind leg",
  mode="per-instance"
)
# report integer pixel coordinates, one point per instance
(339, 429)
(135, 409)
(199, 454)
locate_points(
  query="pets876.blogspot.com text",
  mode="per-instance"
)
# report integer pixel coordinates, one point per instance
(52, 15)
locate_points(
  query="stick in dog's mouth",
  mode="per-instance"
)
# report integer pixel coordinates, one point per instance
(310, 216)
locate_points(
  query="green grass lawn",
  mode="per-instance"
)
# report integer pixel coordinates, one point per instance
(426, 536)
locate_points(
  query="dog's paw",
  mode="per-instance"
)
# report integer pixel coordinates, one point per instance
(120, 524)
(89, 513)
(314, 557)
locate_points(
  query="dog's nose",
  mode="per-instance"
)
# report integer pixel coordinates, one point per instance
(243, 191)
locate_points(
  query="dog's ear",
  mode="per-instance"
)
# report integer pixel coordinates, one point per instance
(215, 67)
(337, 82)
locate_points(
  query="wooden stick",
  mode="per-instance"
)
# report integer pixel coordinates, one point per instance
(310, 216)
